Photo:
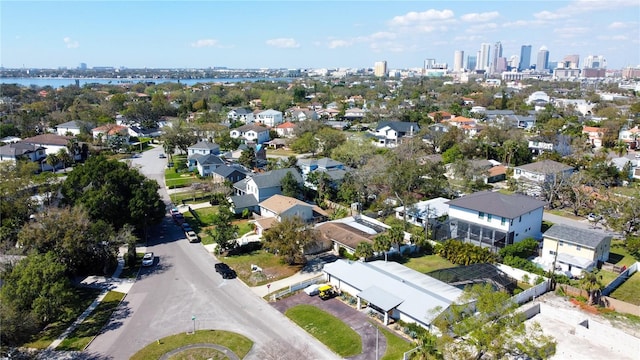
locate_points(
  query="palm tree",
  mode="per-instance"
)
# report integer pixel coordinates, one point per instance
(592, 284)
(396, 236)
(382, 243)
(65, 158)
(364, 250)
(52, 160)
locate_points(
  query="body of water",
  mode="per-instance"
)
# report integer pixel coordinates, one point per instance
(60, 82)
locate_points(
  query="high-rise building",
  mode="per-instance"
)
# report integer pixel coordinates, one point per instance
(525, 57)
(571, 62)
(513, 62)
(483, 57)
(495, 61)
(458, 57)
(429, 63)
(542, 63)
(595, 62)
(471, 62)
(380, 69)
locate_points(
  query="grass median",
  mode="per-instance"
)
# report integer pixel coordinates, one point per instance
(237, 343)
(91, 326)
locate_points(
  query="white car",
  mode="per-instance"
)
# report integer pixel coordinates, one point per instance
(147, 259)
(192, 236)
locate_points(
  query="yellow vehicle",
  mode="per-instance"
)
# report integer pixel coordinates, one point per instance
(326, 292)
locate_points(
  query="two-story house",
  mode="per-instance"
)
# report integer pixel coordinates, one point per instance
(251, 133)
(53, 143)
(467, 125)
(595, 135)
(204, 156)
(354, 114)
(269, 117)
(250, 191)
(232, 174)
(535, 178)
(334, 170)
(105, 132)
(285, 129)
(573, 249)
(391, 133)
(630, 136)
(72, 128)
(22, 151)
(241, 114)
(495, 220)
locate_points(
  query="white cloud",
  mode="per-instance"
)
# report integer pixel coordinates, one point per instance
(284, 43)
(548, 15)
(334, 44)
(568, 32)
(621, 25)
(71, 44)
(383, 35)
(480, 17)
(414, 18)
(204, 43)
(613, 37)
(482, 27)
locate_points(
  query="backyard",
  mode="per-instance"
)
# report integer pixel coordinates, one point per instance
(428, 263)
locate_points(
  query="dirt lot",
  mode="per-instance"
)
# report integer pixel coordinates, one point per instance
(562, 320)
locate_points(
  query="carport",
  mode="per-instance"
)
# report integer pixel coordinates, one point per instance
(381, 299)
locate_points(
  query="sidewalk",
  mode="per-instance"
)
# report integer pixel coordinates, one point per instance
(113, 283)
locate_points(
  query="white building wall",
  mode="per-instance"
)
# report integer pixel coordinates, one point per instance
(525, 226)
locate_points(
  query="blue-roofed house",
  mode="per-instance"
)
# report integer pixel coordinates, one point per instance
(250, 191)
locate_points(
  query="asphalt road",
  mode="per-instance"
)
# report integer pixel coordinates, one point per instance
(183, 285)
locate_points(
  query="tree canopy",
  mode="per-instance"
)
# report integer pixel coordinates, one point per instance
(288, 239)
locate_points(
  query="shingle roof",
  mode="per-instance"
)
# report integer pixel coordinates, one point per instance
(70, 125)
(545, 167)
(274, 177)
(507, 206)
(48, 139)
(204, 145)
(243, 201)
(280, 203)
(225, 170)
(399, 126)
(343, 234)
(249, 127)
(17, 149)
(574, 235)
(207, 159)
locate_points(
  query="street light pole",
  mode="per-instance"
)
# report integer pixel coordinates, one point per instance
(193, 317)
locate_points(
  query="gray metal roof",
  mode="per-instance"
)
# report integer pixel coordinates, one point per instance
(545, 167)
(399, 126)
(496, 203)
(381, 298)
(207, 159)
(423, 297)
(583, 237)
(274, 177)
(204, 145)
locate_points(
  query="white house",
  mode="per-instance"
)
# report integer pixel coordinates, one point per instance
(269, 117)
(285, 129)
(391, 133)
(251, 133)
(495, 220)
(241, 114)
(630, 136)
(71, 127)
(17, 151)
(582, 106)
(53, 143)
(574, 250)
(534, 178)
(419, 213)
(203, 148)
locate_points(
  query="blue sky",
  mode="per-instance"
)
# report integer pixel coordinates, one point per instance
(308, 34)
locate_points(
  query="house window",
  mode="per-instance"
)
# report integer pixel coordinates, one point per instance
(520, 219)
(578, 247)
(503, 221)
(489, 216)
(552, 252)
(561, 243)
(518, 171)
(480, 215)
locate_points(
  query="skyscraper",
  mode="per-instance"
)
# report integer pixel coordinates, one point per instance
(380, 68)
(471, 62)
(429, 63)
(483, 57)
(458, 57)
(525, 57)
(495, 61)
(571, 62)
(595, 62)
(542, 63)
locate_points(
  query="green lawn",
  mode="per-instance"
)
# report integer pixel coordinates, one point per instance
(327, 328)
(190, 197)
(629, 291)
(91, 326)
(272, 267)
(82, 298)
(619, 254)
(428, 263)
(177, 180)
(396, 346)
(237, 343)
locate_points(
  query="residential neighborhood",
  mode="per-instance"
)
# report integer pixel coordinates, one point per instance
(401, 202)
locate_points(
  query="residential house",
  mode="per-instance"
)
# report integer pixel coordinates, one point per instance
(468, 126)
(538, 97)
(250, 191)
(22, 151)
(269, 118)
(259, 150)
(630, 137)
(335, 170)
(280, 206)
(329, 114)
(205, 164)
(393, 290)
(203, 148)
(538, 146)
(251, 133)
(139, 131)
(354, 114)
(105, 132)
(241, 114)
(285, 129)
(582, 106)
(53, 143)
(438, 116)
(10, 140)
(534, 178)
(231, 174)
(392, 133)
(304, 115)
(338, 125)
(489, 171)
(595, 134)
(495, 220)
(348, 232)
(574, 250)
(424, 212)
(623, 162)
(72, 128)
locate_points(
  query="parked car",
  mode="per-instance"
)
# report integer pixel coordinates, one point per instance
(192, 236)
(178, 218)
(162, 156)
(147, 259)
(174, 211)
(312, 290)
(593, 217)
(225, 271)
(186, 227)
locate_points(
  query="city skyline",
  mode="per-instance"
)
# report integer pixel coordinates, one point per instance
(310, 34)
